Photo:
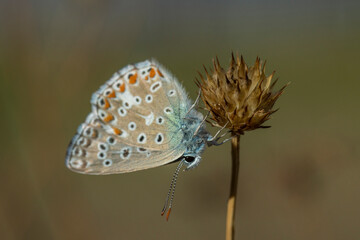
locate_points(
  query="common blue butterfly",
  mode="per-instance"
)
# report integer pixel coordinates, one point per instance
(141, 118)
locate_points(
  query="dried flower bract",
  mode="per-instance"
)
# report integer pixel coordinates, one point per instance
(240, 97)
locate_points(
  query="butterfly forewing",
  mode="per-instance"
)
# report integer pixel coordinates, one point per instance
(141, 105)
(135, 123)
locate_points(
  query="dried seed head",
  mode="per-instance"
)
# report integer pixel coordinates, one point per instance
(240, 97)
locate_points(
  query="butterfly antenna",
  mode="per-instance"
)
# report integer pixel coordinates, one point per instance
(171, 191)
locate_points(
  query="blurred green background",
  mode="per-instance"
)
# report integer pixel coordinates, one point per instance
(298, 180)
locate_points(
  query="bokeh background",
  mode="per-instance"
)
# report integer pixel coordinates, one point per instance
(298, 180)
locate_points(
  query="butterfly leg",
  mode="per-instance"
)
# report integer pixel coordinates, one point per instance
(215, 143)
(214, 140)
(202, 122)
(218, 132)
(222, 135)
(195, 103)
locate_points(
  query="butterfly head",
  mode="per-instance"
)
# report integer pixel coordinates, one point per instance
(195, 139)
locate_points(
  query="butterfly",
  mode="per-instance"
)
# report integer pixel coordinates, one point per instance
(141, 118)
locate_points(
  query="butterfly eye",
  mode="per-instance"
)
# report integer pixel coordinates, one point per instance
(189, 159)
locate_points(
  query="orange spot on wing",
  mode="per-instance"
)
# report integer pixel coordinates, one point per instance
(112, 94)
(133, 78)
(122, 87)
(160, 73)
(117, 131)
(94, 134)
(107, 104)
(147, 78)
(152, 73)
(108, 118)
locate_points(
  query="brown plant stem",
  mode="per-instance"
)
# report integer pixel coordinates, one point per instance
(230, 218)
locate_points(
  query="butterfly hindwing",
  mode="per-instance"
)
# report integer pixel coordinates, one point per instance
(94, 151)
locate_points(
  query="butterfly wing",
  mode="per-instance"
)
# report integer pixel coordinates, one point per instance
(134, 125)
(94, 151)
